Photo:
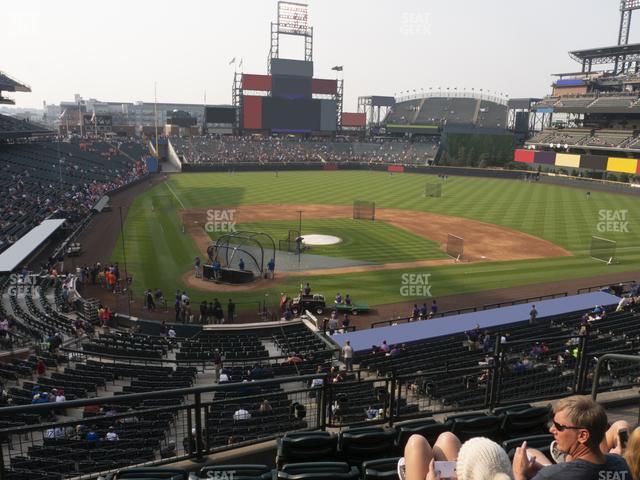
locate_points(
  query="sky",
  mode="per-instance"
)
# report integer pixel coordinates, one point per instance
(117, 50)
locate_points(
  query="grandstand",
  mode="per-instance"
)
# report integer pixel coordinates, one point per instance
(449, 108)
(87, 392)
(596, 110)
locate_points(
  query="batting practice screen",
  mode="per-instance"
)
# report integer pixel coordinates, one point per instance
(364, 210)
(455, 246)
(603, 249)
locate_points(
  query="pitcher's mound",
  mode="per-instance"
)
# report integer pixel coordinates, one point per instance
(316, 239)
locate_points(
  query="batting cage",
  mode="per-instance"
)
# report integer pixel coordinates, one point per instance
(433, 190)
(289, 244)
(455, 246)
(364, 210)
(603, 249)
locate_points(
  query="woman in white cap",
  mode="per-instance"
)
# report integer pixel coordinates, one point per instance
(477, 459)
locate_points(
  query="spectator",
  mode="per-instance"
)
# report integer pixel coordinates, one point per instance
(347, 300)
(41, 368)
(434, 309)
(632, 454)
(111, 436)
(477, 459)
(333, 322)
(347, 355)
(265, 407)
(533, 314)
(579, 426)
(241, 414)
(384, 348)
(231, 311)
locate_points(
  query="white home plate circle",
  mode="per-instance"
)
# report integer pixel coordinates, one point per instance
(317, 239)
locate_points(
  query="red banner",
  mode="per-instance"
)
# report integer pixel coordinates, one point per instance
(330, 166)
(395, 168)
(252, 112)
(256, 82)
(524, 156)
(328, 87)
(353, 119)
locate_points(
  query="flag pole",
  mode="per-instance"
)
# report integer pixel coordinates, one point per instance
(155, 116)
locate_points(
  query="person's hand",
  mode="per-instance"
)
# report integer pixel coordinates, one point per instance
(523, 466)
(433, 474)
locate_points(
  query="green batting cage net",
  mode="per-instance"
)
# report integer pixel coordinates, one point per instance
(433, 190)
(364, 210)
(603, 249)
(289, 244)
(455, 246)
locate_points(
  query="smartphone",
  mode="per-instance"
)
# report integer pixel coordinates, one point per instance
(623, 435)
(446, 469)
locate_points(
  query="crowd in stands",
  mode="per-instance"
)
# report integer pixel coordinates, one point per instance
(60, 180)
(283, 150)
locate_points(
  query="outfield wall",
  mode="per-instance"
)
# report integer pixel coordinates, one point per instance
(432, 170)
(572, 160)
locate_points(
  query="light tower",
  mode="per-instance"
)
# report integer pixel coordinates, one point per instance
(293, 20)
(626, 9)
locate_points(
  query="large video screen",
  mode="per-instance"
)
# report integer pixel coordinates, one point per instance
(292, 115)
(291, 88)
(220, 114)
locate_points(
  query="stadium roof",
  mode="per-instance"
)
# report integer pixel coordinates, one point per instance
(606, 55)
(8, 84)
(26, 245)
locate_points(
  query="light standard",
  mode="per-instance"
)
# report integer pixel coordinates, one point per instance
(60, 161)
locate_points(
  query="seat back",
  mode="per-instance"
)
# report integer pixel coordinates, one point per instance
(152, 474)
(316, 446)
(381, 469)
(318, 471)
(489, 426)
(532, 421)
(540, 442)
(511, 408)
(357, 447)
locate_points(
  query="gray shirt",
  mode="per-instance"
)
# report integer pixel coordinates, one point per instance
(614, 468)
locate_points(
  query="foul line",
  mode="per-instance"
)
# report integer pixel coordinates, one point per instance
(174, 194)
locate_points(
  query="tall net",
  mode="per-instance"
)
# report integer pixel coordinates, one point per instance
(364, 210)
(603, 249)
(455, 246)
(289, 244)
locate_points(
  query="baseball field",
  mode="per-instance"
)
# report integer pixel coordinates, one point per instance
(515, 233)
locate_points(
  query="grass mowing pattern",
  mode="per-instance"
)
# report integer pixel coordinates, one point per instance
(376, 242)
(158, 252)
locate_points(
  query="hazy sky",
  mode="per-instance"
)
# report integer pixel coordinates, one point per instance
(115, 50)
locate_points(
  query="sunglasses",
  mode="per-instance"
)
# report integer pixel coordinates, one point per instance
(562, 428)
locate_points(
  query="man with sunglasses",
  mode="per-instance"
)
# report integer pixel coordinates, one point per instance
(578, 426)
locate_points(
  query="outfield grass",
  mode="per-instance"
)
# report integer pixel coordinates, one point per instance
(375, 242)
(158, 252)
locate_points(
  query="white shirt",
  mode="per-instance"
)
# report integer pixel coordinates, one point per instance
(241, 414)
(223, 377)
(172, 333)
(111, 436)
(347, 351)
(60, 398)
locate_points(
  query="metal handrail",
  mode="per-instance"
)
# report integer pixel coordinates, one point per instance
(605, 358)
